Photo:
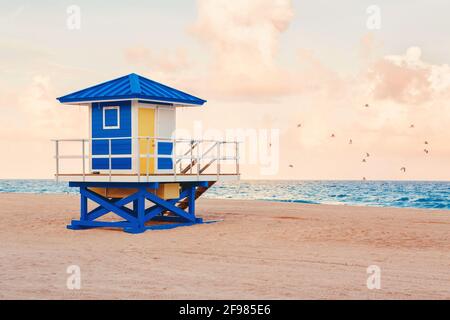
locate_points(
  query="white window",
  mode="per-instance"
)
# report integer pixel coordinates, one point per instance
(111, 117)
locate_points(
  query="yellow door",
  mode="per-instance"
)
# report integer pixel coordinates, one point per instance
(146, 128)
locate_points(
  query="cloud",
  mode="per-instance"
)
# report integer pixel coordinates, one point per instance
(310, 76)
(407, 79)
(174, 67)
(30, 118)
(243, 39)
(33, 112)
(369, 47)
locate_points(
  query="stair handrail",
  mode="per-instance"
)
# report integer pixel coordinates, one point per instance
(194, 143)
(215, 145)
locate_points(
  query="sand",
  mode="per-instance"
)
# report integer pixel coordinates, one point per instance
(261, 250)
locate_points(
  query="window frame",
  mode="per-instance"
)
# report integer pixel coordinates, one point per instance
(105, 127)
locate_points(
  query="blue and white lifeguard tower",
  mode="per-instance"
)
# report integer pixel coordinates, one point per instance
(132, 157)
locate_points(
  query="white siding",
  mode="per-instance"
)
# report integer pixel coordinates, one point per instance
(166, 122)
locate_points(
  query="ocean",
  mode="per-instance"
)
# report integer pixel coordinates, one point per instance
(402, 194)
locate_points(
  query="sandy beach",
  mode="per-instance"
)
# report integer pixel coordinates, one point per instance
(261, 250)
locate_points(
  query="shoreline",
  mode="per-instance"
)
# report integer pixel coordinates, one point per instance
(259, 250)
(300, 202)
(274, 180)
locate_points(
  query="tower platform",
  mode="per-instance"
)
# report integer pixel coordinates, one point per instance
(129, 203)
(141, 198)
(134, 178)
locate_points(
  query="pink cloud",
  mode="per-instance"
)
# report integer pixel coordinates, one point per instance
(242, 38)
(400, 82)
(34, 113)
(407, 79)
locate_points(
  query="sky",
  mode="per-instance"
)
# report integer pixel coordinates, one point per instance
(301, 72)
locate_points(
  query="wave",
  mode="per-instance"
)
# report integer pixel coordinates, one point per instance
(403, 194)
(292, 201)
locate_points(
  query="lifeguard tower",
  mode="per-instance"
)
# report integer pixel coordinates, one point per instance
(132, 166)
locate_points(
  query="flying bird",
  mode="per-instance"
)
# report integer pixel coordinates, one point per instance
(299, 125)
(411, 126)
(364, 178)
(364, 160)
(350, 141)
(367, 154)
(333, 136)
(291, 166)
(426, 151)
(426, 142)
(403, 169)
(366, 105)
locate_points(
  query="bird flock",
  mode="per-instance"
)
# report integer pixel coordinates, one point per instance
(367, 154)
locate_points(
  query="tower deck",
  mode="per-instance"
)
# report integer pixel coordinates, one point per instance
(134, 178)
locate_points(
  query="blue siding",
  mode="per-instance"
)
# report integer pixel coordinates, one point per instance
(165, 148)
(120, 146)
(125, 120)
(165, 163)
(116, 163)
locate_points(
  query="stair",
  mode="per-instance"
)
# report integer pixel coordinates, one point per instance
(207, 166)
(198, 193)
(193, 162)
(189, 166)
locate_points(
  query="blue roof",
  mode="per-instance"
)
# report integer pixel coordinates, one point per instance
(131, 86)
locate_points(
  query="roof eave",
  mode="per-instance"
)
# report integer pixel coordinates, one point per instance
(77, 101)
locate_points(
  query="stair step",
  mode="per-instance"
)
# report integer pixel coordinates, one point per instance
(183, 204)
(190, 165)
(206, 166)
(200, 190)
